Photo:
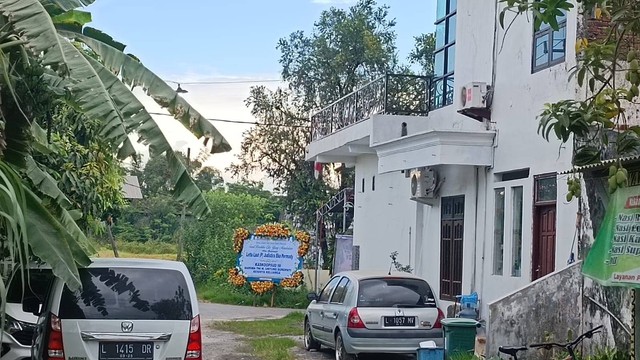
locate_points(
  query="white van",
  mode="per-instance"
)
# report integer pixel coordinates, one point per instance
(133, 309)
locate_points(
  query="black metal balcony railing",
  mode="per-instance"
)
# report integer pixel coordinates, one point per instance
(389, 94)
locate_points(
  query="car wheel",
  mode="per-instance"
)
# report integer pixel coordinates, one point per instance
(309, 342)
(341, 353)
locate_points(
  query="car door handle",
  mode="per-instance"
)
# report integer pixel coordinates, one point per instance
(321, 314)
(332, 316)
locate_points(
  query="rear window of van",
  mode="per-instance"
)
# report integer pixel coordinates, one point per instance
(128, 294)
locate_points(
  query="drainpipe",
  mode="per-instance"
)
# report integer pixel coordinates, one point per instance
(410, 253)
(484, 243)
(475, 228)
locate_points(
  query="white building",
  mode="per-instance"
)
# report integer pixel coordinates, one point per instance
(494, 224)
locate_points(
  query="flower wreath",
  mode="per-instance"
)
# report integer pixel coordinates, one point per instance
(277, 231)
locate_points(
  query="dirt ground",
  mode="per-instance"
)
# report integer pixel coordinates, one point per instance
(222, 345)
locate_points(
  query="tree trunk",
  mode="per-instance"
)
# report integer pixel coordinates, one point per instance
(181, 236)
(111, 238)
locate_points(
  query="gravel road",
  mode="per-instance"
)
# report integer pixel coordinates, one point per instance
(222, 345)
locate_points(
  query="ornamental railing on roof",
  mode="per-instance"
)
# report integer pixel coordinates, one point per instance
(393, 94)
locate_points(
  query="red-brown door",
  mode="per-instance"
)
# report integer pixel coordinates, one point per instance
(544, 241)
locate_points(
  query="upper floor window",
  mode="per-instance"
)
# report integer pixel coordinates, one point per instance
(549, 46)
(445, 54)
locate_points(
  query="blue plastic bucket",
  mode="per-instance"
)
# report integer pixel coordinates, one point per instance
(430, 354)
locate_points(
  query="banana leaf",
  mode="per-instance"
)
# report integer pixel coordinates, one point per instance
(30, 224)
(139, 120)
(133, 73)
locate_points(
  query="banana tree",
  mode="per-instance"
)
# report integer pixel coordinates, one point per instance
(88, 70)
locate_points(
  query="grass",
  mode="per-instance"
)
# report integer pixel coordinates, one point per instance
(267, 338)
(273, 348)
(287, 326)
(108, 253)
(221, 292)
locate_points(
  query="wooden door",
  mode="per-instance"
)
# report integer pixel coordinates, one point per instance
(544, 241)
(451, 246)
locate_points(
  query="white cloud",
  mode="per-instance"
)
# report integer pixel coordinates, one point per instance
(219, 101)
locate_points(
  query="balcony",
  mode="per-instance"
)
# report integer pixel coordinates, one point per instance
(391, 94)
(390, 118)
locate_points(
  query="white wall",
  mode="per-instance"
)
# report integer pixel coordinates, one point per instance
(384, 219)
(459, 180)
(518, 99)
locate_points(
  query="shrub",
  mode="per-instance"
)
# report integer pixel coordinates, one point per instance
(208, 243)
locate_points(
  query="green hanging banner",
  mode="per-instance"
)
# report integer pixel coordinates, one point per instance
(614, 259)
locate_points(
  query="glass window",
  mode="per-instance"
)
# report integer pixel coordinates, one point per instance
(441, 9)
(516, 252)
(451, 29)
(448, 98)
(37, 285)
(559, 42)
(541, 52)
(546, 189)
(439, 65)
(326, 292)
(128, 293)
(549, 47)
(498, 233)
(451, 59)
(390, 292)
(341, 291)
(445, 54)
(438, 93)
(440, 34)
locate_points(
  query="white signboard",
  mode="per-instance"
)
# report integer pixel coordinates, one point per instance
(343, 253)
(267, 259)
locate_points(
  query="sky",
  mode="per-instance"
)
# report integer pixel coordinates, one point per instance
(231, 43)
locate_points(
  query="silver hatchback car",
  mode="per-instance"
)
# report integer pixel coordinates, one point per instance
(130, 309)
(362, 312)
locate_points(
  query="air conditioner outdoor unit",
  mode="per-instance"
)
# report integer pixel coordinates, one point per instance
(474, 95)
(424, 184)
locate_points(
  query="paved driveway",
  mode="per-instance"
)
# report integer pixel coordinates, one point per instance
(221, 345)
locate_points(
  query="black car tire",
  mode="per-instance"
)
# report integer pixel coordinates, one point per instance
(341, 353)
(309, 342)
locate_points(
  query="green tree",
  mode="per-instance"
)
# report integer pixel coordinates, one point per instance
(422, 53)
(345, 49)
(273, 209)
(84, 166)
(87, 70)
(157, 215)
(209, 243)
(209, 178)
(151, 218)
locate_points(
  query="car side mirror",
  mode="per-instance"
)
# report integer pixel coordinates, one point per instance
(32, 305)
(312, 296)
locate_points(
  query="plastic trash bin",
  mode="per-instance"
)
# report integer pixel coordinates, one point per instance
(459, 335)
(429, 351)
